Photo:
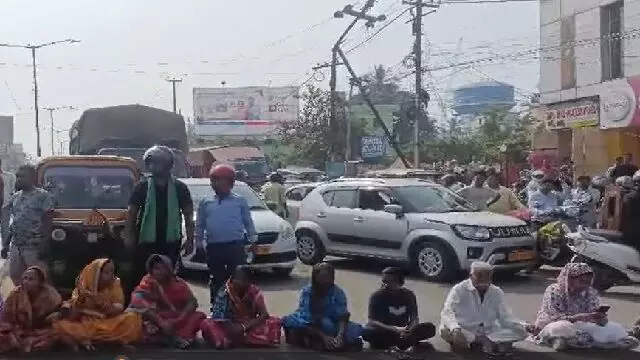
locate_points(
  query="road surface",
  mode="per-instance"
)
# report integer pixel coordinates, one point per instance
(359, 280)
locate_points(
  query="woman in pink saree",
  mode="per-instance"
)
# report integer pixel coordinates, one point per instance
(240, 316)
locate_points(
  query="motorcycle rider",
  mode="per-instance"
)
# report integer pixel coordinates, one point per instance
(543, 202)
(273, 192)
(629, 224)
(587, 198)
(534, 184)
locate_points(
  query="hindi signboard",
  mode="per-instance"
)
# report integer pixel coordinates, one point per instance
(372, 147)
(573, 114)
(247, 111)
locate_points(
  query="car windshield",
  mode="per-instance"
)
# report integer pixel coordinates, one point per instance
(253, 168)
(86, 187)
(201, 191)
(431, 199)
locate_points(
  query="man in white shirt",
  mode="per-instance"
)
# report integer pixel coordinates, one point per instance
(476, 316)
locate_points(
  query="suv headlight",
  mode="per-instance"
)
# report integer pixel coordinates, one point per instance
(476, 233)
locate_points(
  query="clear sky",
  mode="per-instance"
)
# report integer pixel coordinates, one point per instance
(129, 47)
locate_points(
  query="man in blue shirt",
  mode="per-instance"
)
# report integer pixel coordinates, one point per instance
(544, 201)
(223, 224)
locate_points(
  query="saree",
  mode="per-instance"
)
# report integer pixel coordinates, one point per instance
(23, 325)
(166, 301)
(231, 309)
(325, 315)
(92, 304)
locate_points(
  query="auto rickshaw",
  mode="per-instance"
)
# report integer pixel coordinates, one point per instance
(91, 196)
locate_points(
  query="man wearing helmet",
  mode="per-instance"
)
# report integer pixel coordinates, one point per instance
(273, 192)
(223, 224)
(157, 207)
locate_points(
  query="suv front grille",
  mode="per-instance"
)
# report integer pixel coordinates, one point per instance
(267, 238)
(503, 232)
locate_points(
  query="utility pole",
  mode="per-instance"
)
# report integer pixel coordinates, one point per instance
(352, 84)
(51, 110)
(173, 82)
(419, 6)
(33, 49)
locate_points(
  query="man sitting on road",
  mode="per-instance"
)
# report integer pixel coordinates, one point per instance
(475, 315)
(393, 315)
(477, 193)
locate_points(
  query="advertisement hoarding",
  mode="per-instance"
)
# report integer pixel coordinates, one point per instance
(6, 129)
(373, 147)
(247, 111)
(573, 114)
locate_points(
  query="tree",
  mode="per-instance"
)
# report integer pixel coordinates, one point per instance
(382, 88)
(310, 138)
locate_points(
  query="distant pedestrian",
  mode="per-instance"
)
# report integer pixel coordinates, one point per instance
(626, 168)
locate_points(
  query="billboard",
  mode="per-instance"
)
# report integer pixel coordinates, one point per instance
(373, 147)
(6, 129)
(246, 111)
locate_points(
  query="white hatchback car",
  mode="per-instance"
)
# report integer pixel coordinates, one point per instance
(276, 239)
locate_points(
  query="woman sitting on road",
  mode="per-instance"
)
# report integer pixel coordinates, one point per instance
(240, 316)
(571, 315)
(322, 319)
(28, 313)
(95, 313)
(168, 306)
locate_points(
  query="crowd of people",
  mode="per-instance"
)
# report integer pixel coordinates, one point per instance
(156, 307)
(164, 312)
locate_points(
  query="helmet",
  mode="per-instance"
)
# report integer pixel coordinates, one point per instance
(600, 181)
(223, 171)
(275, 177)
(636, 176)
(625, 181)
(160, 155)
(538, 174)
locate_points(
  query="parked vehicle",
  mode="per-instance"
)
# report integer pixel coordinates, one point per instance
(276, 240)
(91, 195)
(412, 221)
(129, 130)
(294, 196)
(614, 263)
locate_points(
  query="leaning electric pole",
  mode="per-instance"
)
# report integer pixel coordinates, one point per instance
(419, 6)
(173, 82)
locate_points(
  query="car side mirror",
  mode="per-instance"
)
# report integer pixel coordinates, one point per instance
(394, 209)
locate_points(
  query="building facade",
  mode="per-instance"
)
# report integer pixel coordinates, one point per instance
(590, 80)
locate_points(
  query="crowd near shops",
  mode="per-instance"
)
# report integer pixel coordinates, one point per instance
(158, 308)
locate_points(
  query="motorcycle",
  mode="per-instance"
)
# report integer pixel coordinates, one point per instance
(613, 262)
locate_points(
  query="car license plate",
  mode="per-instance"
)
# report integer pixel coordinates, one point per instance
(521, 255)
(92, 237)
(262, 250)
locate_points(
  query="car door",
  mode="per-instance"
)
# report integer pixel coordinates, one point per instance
(376, 228)
(337, 217)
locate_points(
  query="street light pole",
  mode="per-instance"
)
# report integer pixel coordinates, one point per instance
(33, 49)
(173, 88)
(51, 110)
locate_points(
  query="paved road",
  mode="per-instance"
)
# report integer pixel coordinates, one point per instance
(361, 279)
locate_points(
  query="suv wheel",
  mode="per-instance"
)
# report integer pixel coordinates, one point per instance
(434, 261)
(309, 248)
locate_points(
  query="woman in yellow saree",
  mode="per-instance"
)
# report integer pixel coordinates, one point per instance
(95, 313)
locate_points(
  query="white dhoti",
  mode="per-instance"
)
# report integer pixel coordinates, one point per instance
(495, 334)
(587, 334)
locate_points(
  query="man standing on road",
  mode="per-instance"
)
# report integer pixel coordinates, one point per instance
(223, 224)
(505, 200)
(30, 210)
(157, 207)
(477, 193)
(273, 192)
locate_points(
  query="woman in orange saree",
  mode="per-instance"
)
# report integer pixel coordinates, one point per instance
(167, 305)
(95, 313)
(240, 316)
(27, 314)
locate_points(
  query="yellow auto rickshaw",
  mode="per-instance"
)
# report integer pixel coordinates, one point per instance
(91, 196)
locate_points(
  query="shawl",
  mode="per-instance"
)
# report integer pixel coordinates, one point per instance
(87, 298)
(229, 305)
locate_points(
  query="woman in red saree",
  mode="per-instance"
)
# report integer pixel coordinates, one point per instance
(240, 316)
(168, 306)
(27, 314)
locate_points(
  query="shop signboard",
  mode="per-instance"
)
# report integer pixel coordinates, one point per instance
(246, 111)
(619, 103)
(373, 147)
(573, 114)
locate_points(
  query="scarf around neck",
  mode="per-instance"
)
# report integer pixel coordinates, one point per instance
(149, 218)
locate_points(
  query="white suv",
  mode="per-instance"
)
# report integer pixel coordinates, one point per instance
(417, 222)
